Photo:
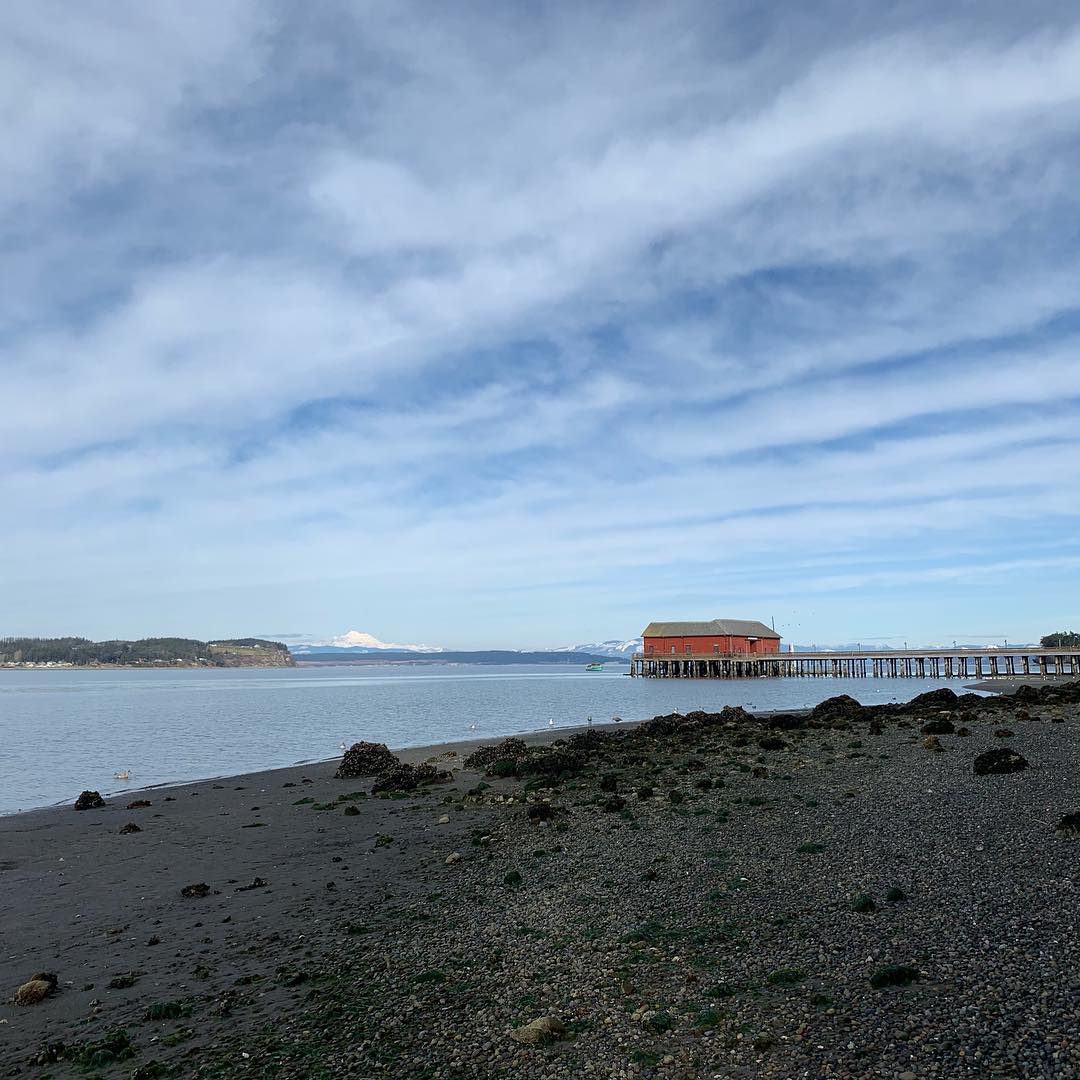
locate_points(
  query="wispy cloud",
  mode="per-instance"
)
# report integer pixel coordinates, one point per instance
(525, 326)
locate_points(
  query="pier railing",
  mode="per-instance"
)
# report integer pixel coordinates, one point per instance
(955, 663)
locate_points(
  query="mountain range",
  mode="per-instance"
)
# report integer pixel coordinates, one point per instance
(359, 647)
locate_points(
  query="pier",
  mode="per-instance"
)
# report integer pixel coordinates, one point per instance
(984, 663)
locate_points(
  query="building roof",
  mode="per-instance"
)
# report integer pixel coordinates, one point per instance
(712, 628)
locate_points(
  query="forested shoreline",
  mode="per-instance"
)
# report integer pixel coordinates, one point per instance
(159, 651)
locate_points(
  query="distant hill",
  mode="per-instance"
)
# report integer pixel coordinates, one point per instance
(146, 652)
(328, 654)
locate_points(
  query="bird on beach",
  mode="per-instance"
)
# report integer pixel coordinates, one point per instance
(616, 719)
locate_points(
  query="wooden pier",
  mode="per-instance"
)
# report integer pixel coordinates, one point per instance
(894, 663)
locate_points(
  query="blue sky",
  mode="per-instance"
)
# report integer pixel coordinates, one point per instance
(526, 325)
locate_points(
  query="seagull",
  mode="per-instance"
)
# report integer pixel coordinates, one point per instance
(472, 727)
(590, 718)
(551, 721)
(342, 746)
(617, 719)
(122, 775)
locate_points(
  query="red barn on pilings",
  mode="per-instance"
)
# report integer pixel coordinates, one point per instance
(718, 637)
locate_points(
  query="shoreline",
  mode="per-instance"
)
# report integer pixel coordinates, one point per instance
(413, 755)
(686, 898)
(409, 752)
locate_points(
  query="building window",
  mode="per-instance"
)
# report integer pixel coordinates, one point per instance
(716, 649)
(648, 649)
(672, 650)
(687, 649)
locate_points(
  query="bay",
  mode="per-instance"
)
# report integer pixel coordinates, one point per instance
(64, 730)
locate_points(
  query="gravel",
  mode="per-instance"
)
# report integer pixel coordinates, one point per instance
(838, 903)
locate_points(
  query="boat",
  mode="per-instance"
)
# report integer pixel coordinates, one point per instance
(594, 667)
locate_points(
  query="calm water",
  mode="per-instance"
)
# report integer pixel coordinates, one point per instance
(62, 731)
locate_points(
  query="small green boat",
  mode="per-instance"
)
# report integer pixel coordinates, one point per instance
(594, 667)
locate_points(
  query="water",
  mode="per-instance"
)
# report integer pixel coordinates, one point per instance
(65, 730)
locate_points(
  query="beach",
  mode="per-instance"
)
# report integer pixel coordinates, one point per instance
(834, 893)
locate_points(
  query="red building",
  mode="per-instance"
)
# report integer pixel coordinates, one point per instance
(719, 637)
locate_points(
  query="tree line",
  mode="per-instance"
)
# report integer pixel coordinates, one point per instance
(1067, 639)
(82, 651)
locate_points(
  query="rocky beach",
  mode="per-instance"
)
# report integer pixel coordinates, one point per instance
(885, 891)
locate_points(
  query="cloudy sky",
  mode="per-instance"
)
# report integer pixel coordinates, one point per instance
(524, 325)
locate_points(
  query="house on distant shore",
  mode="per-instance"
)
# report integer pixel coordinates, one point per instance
(718, 637)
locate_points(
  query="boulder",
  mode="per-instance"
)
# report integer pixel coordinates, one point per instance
(540, 1032)
(839, 708)
(130, 827)
(89, 800)
(1026, 693)
(197, 891)
(1001, 760)
(36, 988)
(365, 759)
(932, 742)
(786, 722)
(944, 698)
(942, 726)
(1069, 825)
(486, 756)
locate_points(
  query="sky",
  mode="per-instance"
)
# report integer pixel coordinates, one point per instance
(508, 325)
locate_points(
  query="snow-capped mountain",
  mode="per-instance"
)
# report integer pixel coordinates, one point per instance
(621, 649)
(361, 642)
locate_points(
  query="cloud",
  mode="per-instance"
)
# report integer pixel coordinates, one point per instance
(399, 307)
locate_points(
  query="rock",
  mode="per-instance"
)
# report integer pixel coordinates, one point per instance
(89, 800)
(138, 804)
(932, 742)
(485, 757)
(366, 759)
(840, 708)
(1004, 733)
(1027, 694)
(943, 726)
(256, 883)
(1002, 760)
(36, 988)
(932, 699)
(130, 827)
(444, 820)
(540, 811)
(614, 804)
(453, 857)
(198, 890)
(403, 777)
(352, 811)
(540, 1032)
(1069, 825)
(771, 742)
(786, 722)
(124, 981)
